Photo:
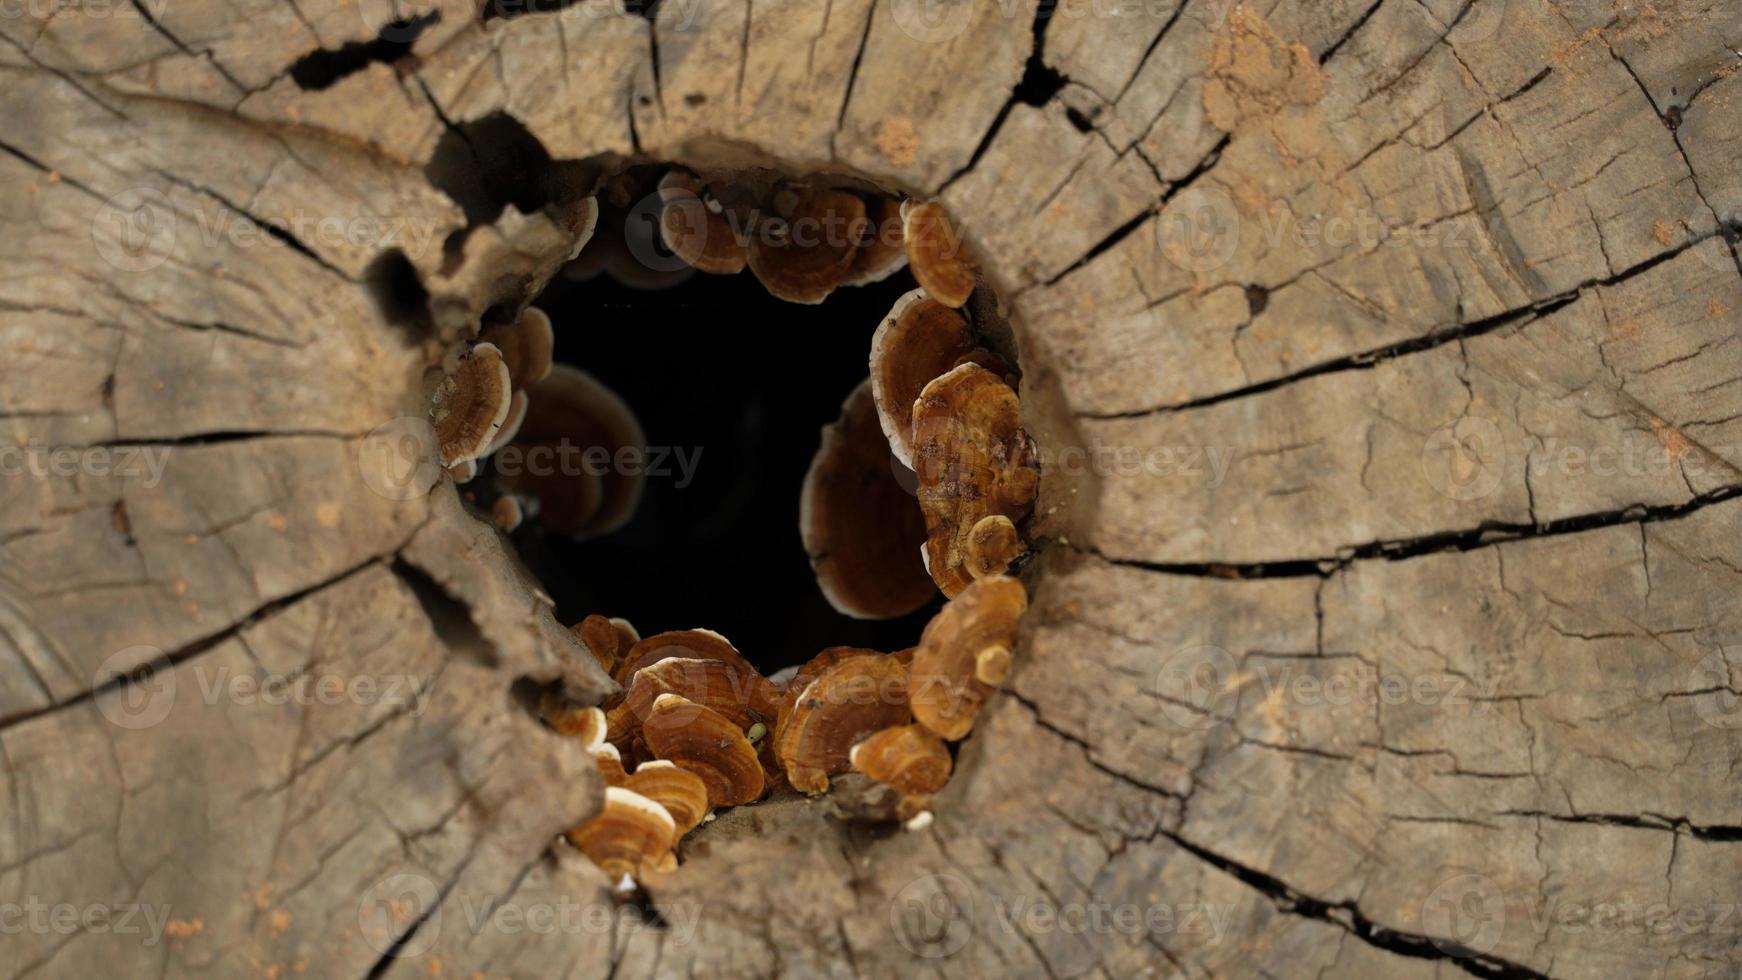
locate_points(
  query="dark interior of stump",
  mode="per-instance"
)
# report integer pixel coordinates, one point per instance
(718, 365)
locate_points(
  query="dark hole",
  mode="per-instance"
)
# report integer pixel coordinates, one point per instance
(392, 282)
(1257, 298)
(1082, 122)
(322, 68)
(488, 163)
(1672, 117)
(717, 366)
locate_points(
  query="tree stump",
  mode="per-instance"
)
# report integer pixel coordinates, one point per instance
(1384, 356)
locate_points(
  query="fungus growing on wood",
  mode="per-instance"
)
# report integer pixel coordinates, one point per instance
(706, 743)
(911, 758)
(568, 452)
(629, 837)
(698, 229)
(935, 252)
(470, 405)
(963, 653)
(860, 528)
(681, 792)
(973, 460)
(882, 247)
(569, 718)
(804, 249)
(743, 697)
(526, 344)
(993, 544)
(843, 704)
(608, 640)
(918, 341)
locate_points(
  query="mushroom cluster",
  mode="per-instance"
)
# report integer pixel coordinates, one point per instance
(801, 239)
(500, 389)
(922, 485)
(696, 727)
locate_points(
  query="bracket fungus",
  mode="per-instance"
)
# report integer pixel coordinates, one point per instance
(882, 247)
(705, 742)
(744, 697)
(631, 835)
(911, 759)
(936, 254)
(993, 544)
(963, 653)
(699, 229)
(470, 405)
(608, 640)
(575, 431)
(918, 341)
(681, 792)
(973, 460)
(805, 248)
(527, 343)
(844, 703)
(860, 527)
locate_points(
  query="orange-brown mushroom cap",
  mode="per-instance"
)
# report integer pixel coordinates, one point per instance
(935, 252)
(860, 527)
(803, 252)
(911, 758)
(605, 640)
(974, 631)
(883, 246)
(707, 237)
(569, 718)
(993, 544)
(610, 763)
(706, 743)
(630, 835)
(972, 459)
(919, 340)
(526, 343)
(567, 450)
(470, 405)
(848, 701)
(681, 792)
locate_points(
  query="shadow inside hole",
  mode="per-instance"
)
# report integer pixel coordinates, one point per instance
(734, 387)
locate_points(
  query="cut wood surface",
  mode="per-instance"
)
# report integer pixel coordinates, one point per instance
(1386, 358)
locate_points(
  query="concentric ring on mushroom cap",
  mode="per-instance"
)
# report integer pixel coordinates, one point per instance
(527, 343)
(743, 697)
(935, 252)
(972, 459)
(572, 419)
(630, 834)
(470, 405)
(883, 247)
(845, 703)
(805, 252)
(918, 341)
(704, 238)
(703, 741)
(912, 758)
(683, 793)
(860, 527)
(944, 689)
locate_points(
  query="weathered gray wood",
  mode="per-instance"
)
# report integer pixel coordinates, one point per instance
(1384, 360)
